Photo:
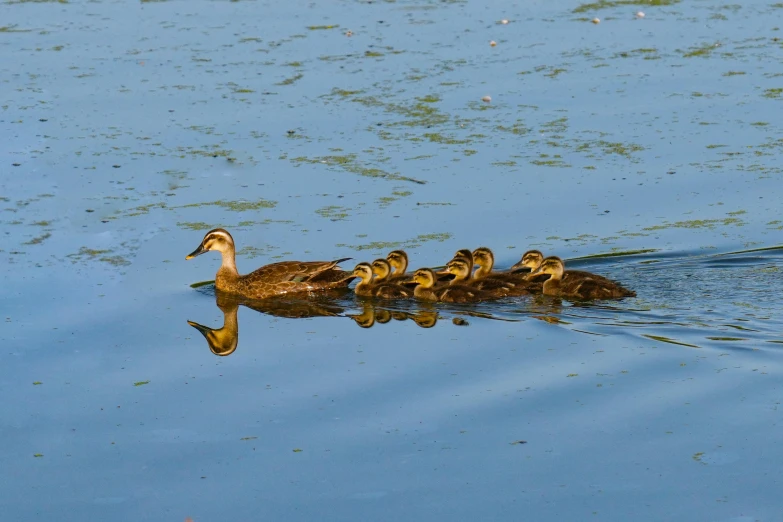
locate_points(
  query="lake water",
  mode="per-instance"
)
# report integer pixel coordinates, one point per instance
(643, 148)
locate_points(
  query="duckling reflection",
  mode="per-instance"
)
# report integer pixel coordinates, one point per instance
(373, 314)
(223, 341)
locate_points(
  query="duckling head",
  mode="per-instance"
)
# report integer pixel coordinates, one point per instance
(425, 277)
(216, 239)
(551, 265)
(460, 267)
(381, 268)
(464, 252)
(398, 259)
(484, 258)
(363, 271)
(530, 259)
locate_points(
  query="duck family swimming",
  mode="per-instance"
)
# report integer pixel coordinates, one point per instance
(388, 278)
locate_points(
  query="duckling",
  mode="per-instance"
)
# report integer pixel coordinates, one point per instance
(398, 260)
(425, 285)
(579, 286)
(270, 280)
(532, 259)
(427, 291)
(366, 286)
(485, 260)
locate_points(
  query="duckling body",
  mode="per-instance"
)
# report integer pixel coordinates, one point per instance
(451, 293)
(465, 294)
(587, 286)
(275, 279)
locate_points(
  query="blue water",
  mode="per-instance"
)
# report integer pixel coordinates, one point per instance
(131, 129)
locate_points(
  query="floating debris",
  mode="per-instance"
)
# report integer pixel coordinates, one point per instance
(493, 43)
(504, 22)
(486, 99)
(596, 20)
(460, 321)
(348, 33)
(640, 14)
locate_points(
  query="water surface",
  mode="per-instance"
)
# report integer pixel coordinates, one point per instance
(346, 129)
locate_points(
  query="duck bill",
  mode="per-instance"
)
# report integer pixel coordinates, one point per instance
(200, 327)
(200, 250)
(519, 267)
(441, 270)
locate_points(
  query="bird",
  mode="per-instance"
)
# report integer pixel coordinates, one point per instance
(271, 280)
(532, 259)
(398, 260)
(581, 286)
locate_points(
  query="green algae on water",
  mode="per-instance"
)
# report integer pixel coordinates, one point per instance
(235, 206)
(292, 80)
(38, 240)
(700, 51)
(605, 4)
(333, 212)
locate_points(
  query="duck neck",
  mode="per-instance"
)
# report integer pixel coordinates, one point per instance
(228, 270)
(552, 286)
(424, 292)
(364, 286)
(483, 271)
(460, 278)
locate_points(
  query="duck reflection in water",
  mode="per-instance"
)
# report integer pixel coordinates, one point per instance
(372, 313)
(223, 341)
